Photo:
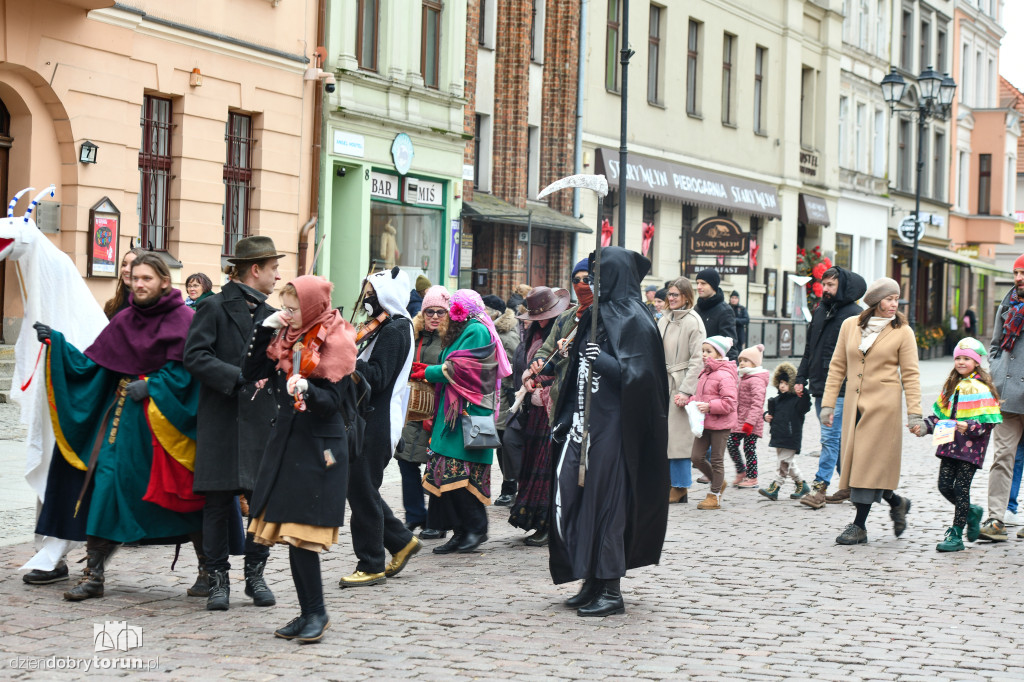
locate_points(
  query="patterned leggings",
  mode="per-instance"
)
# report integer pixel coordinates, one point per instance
(749, 449)
(955, 478)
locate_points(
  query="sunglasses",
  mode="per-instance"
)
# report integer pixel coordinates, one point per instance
(435, 312)
(583, 280)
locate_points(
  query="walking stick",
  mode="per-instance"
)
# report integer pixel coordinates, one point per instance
(599, 185)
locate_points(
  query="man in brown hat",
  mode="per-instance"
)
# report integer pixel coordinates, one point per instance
(234, 417)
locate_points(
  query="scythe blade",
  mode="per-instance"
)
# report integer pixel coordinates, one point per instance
(597, 183)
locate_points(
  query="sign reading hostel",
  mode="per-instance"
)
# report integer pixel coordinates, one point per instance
(718, 237)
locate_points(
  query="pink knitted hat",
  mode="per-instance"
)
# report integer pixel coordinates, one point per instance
(754, 354)
(436, 297)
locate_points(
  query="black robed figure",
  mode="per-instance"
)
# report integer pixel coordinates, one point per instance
(616, 521)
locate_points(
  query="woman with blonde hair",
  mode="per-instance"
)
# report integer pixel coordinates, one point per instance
(682, 332)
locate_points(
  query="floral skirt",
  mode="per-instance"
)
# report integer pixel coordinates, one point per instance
(530, 512)
(443, 474)
(301, 535)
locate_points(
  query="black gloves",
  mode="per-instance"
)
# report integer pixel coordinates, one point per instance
(42, 331)
(138, 390)
(559, 433)
(593, 350)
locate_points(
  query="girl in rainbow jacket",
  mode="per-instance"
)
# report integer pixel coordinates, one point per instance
(968, 407)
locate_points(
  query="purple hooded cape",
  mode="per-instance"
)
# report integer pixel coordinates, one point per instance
(141, 340)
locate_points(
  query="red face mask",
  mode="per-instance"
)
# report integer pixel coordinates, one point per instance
(584, 295)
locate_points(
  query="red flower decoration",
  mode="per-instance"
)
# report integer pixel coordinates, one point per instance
(458, 312)
(817, 289)
(819, 270)
(828, 263)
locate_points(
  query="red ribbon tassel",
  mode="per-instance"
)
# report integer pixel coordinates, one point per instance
(39, 356)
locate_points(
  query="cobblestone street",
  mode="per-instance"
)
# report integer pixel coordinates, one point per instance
(756, 591)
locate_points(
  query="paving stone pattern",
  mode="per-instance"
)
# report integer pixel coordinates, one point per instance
(757, 591)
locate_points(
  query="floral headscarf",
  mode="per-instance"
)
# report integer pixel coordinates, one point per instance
(467, 304)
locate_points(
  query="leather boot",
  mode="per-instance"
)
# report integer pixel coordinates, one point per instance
(98, 550)
(590, 589)
(220, 592)
(255, 585)
(607, 603)
(201, 587)
(816, 499)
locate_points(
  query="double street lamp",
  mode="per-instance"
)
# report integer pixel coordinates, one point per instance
(936, 92)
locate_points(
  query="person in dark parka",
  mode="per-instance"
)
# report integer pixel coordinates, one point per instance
(742, 320)
(614, 522)
(718, 317)
(234, 417)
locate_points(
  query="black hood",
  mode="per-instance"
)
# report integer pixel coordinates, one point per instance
(621, 273)
(852, 287)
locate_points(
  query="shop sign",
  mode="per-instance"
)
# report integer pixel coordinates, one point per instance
(718, 236)
(468, 171)
(423, 192)
(466, 251)
(906, 230)
(808, 164)
(384, 186)
(104, 233)
(1019, 227)
(813, 210)
(968, 251)
(678, 182)
(723, 270)
(453, 248)
(349, 144)
(402, 153)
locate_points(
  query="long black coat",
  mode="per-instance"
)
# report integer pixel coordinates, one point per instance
(823, 332)
(232, 424)
(296, 482)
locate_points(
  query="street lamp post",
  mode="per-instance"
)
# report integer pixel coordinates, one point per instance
(934, 102)
(624, 54)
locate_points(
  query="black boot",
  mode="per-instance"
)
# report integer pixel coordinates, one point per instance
(98, 551)
(255, 585)
(607, 603)
(590, 589)
(201, 587)
(314, 627)
(507, 495)
(220, 592)
(452, 545)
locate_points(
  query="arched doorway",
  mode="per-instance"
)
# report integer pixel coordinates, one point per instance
(5, 151)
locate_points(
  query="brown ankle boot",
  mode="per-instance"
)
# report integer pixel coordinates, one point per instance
(839, 497)
(98, 551)
(816, 498)
(676, 495)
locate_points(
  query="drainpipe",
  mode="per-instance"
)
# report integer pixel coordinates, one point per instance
(580, 69)
(315, 161)
(304, 242)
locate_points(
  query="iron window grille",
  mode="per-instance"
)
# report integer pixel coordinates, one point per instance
(155, 172)
(237, 180)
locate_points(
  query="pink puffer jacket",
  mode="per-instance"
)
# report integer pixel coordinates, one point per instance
(750, 403)
(717, 386)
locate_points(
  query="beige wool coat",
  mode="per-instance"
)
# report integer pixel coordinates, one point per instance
(682, 332)
(875, 383)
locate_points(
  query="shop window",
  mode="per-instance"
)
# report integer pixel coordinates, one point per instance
(689, 222)
(693, 80)
(155, 172)
(406, 236)
(430, 43)
(611, 48)
(984, 184)
(237, 180)
(367, 25)
(844, 251)
(650, 217)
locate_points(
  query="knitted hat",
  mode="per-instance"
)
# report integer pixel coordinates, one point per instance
(734, 293)
(720, 343)
(582, 266)
(436, 297)
(651, 287)
(971, 348)
(710, 276)
(784, 372)
(494, 303)
(754, 354)
(1019, 263)
(662, 294)
(879, 289)
(422, 283)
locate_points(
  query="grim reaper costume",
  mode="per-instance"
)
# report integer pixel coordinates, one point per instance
(613, 522)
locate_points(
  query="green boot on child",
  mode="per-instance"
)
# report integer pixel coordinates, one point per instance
(974, 515)
(771, 492)
(952, 541)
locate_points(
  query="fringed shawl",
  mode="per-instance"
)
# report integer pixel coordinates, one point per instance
(472, 377)
(974, 401)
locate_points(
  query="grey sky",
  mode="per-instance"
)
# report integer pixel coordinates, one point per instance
(1011, 53)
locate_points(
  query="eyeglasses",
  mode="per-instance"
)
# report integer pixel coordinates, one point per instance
(435, 312)
(673, 295)
(583, 280)
(290, 311)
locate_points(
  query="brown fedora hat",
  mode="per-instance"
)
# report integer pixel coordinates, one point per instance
(255, 249)
(543, 303)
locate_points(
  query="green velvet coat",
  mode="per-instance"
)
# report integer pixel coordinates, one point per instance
(448, 441)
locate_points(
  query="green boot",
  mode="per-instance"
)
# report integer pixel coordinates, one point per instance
(771, 492)
(801, 489)
(952, 542)
(974, 515)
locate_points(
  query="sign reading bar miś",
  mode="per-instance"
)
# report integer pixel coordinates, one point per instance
(718, 236)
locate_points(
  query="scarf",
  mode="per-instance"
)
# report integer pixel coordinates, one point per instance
(584, 297)
(870, 332)
(142, 339)
(338, 352)
(706, 304)
(472, 378)
(467, 304)
(1014, 323)
(973, 399)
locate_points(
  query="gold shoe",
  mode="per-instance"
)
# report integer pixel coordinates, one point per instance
(400, 558)
(361, 579)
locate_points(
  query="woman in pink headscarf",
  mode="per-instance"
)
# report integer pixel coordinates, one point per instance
(472, 364)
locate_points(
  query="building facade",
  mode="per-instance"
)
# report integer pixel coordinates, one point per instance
(393, 141)
(200, 130)
(731, 117)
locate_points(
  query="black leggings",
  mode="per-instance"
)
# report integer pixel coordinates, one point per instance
(955, 478)
(308, 584)
(749, 449)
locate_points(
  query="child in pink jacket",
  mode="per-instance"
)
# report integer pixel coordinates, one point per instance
(749, 415)
(716, 398)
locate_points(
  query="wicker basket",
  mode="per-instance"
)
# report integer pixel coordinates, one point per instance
(421, 401)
